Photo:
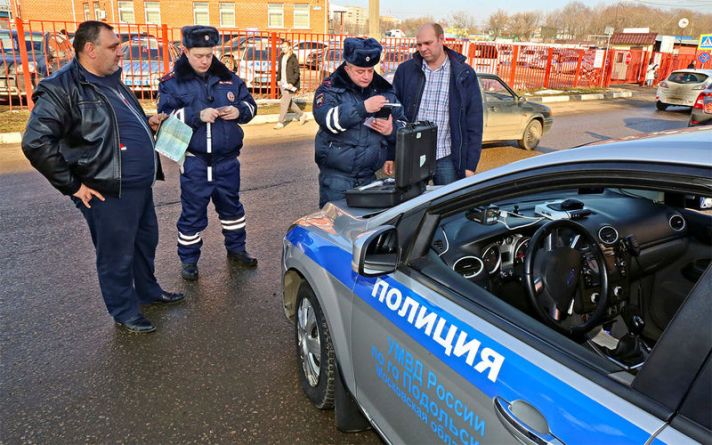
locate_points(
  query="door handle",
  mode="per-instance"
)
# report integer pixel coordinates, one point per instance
(520, 429)
(492, 108)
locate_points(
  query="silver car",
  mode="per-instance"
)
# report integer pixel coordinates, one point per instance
(562, 299)
(682, 88)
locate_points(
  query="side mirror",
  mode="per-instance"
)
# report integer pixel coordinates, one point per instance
(376, 252)
(521, 100)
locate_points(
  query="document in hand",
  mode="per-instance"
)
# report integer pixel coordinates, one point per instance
(173, 138)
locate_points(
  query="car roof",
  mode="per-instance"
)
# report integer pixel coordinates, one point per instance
(690, 146)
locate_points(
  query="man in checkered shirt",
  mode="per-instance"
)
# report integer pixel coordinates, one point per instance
(437, 85)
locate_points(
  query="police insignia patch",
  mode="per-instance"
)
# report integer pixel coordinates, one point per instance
(319, 100)
(230, 96)
(207, 37)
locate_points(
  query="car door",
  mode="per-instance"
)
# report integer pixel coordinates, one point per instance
(439, 362)
(503, 117)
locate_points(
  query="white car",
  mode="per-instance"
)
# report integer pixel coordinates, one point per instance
(304, 48)
(682, 88)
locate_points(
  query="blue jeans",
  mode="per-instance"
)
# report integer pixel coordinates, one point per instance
(445, 172)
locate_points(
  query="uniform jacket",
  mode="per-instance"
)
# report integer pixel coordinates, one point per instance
(71, 136)
(186, 94)
(465, 103)
(292, 70)
(344, 145)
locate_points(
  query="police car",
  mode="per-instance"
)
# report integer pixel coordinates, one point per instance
(561, 299)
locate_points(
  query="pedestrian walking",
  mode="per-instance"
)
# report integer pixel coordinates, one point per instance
(89, 136)
(213, 101)
(437, 85)
(288, 80)
(352, 144)
(651, 73)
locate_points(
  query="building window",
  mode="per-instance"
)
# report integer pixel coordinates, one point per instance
(275, 15)
(126, 12)
(227, 15)
(201, 15)
(153, 12)
(301, 16)
(87, 12)
(97, 11)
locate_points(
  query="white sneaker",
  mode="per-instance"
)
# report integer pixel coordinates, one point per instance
(279, 126)
(303, 119)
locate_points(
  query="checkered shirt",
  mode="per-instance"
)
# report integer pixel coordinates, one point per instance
(434, 105)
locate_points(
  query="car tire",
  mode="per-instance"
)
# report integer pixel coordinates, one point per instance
(661, 106)
(532, 135)
(317, 372)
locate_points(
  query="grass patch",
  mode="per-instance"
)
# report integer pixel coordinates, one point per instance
(13, 121)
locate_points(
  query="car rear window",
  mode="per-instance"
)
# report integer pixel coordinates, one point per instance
(687, 77)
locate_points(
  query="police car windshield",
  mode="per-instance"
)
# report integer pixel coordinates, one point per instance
(138, 51)
(253, 53)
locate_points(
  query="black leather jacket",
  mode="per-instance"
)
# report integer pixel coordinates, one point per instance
(71, 136)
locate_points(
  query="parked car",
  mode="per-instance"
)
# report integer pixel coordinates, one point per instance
(229, 53)
(142, 63)
(41, 61)
(255, 67)
(682, 88)
(559, 299)
(702, 109)
(508, 116)
(330, 60)
(305, 48)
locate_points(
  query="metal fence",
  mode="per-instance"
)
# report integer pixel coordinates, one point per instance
(33, 50)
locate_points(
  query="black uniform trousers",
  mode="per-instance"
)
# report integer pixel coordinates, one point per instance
(125, 234)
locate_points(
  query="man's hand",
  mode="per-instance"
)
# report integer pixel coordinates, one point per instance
(85, 194)
(383, 126)
(155, 121)
(229, 113)
(389, 167)
(374, 103)
(209, 115)
(469, 173)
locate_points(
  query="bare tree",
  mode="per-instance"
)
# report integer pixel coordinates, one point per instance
(497, 23)
(410, 26)
(462, 23)
(523, 25)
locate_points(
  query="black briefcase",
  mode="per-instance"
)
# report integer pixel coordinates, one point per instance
(416, 146)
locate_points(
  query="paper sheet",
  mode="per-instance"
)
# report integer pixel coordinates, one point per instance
(173, 139)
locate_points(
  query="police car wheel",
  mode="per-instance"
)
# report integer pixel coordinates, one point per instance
(315, 351)
(531, 136)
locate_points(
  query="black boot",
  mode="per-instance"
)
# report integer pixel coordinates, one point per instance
(242, 258)
(189, 271)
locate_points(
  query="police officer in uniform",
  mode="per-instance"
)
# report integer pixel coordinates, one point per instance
(207, 96)
(349, 146)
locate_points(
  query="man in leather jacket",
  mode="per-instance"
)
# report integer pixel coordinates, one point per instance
(89, 136)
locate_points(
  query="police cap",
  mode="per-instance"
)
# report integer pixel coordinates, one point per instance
(362, 52)
(199, 36)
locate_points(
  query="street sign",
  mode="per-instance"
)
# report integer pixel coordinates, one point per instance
(704, 57)
(705, 42)
(628, 58)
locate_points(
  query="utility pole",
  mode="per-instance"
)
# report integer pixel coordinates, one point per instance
(374, 24)
(374, 17)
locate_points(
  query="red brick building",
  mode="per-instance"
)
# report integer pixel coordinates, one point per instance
(308, 16)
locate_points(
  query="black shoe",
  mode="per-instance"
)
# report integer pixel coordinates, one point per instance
(242, 258)
(189, 271)
(169, 297)
(138, 325)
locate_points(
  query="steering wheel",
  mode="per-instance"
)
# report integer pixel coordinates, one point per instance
(552, 275)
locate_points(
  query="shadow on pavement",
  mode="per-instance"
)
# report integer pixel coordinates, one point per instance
(645, 125)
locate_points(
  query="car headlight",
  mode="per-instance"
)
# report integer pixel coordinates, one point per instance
(664, 84)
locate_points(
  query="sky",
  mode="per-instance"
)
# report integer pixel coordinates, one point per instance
(482, 9)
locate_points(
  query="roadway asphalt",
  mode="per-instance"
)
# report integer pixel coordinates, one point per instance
(222, 366)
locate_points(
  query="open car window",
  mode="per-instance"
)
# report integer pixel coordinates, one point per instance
(606, 267)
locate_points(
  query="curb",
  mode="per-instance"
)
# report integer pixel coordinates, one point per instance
(580, 97)
(16, 138)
